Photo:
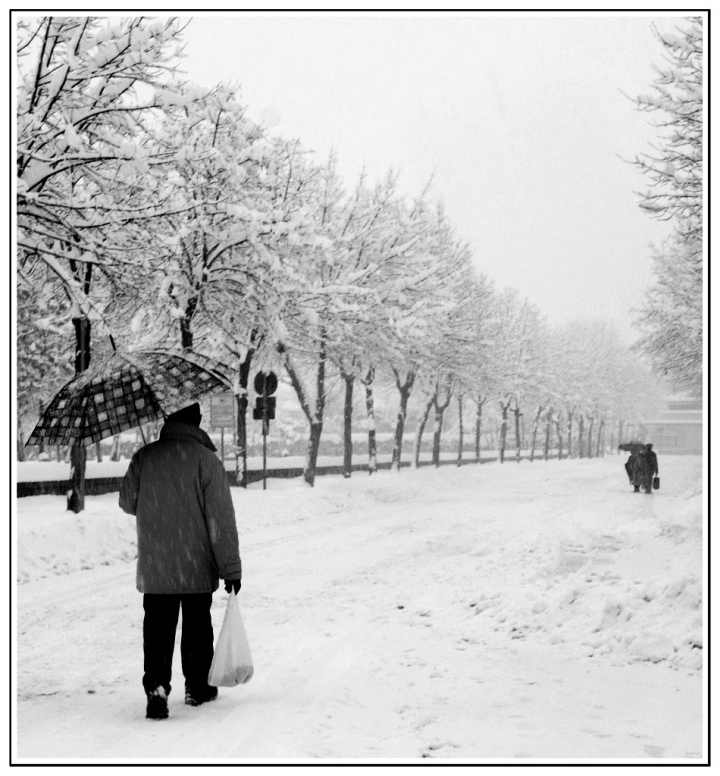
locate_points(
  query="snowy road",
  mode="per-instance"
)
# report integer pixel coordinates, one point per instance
(494, 612)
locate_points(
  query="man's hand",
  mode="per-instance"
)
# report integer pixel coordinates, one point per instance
(231, 584)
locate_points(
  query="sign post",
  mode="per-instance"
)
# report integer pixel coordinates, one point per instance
(222, 415)
(265, 385)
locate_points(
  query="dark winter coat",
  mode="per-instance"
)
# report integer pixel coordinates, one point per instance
(187, 536)
(651, 461)
(643, 465)
(646, 463)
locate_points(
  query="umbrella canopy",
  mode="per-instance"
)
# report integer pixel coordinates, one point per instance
(123, 391)
(632, 447)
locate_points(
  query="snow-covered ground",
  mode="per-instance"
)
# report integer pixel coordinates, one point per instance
(516, 612)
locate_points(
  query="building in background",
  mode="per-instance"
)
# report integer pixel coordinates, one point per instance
(678, 428)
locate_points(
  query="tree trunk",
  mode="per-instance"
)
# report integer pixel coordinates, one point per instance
(312, 453)
(98, 452)
(82, 327)
(558, 425)
(314, 416)
(404, 389)
(503, 429)
(186, 332)
(581, 435)
(316, 425)
(599, 449)
(569, 432)
(536, 423)
(589, 438)
(78, 455)
(620, 432)
(115, 450)
(437, 426)
(460, 431)
(372, 436)
(518, 440)
(76, 494)
(41, 446)
(419, 432)
(21, 456)
(478, 425)
(242, 403)
(548, 425)
(437, 433)
(347, 425)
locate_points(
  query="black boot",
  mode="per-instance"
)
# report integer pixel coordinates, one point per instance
(197, 696)
(157, 705)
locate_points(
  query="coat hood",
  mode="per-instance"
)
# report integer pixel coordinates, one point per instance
(186, 432)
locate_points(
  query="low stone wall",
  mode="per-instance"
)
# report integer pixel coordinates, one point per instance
(97, 486)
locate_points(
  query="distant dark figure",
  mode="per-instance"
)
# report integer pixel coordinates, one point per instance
(644, 468)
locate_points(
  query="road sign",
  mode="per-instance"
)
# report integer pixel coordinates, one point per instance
(266, 383)
(222, 410)
(264, 408)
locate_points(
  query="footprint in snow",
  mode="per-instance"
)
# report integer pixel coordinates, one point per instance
(596, 733)
(435, 747)
(654, 751)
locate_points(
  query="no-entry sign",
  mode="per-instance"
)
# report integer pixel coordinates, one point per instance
(266, 383)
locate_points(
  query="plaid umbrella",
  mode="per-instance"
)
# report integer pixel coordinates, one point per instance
(122, 392)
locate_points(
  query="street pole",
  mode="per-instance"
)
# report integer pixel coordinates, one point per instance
(265, 385)
(265, 431)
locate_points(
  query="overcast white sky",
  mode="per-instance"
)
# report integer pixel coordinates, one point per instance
(521, 119)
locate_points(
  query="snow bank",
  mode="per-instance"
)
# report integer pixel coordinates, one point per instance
(625, 592)
(52, 541)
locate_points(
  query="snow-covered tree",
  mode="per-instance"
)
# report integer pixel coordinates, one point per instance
(45, 359)
(520, 361)
(481, 384)
(671, 321)
(307, 317)
(368, 243)
(445, 354)
(398, 264)
(675, 166)
(90, 93)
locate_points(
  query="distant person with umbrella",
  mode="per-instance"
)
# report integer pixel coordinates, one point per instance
(645, 469)
(634, 448)
(641, 466)
(187, 540)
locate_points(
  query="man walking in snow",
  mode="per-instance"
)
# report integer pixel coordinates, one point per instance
(644, 469)
(187, 541)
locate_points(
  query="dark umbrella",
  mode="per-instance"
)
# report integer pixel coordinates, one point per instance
(123, 391)
(632, 447)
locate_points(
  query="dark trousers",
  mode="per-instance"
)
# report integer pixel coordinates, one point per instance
(196, 643)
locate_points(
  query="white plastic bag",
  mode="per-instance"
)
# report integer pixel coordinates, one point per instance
(232, 663)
